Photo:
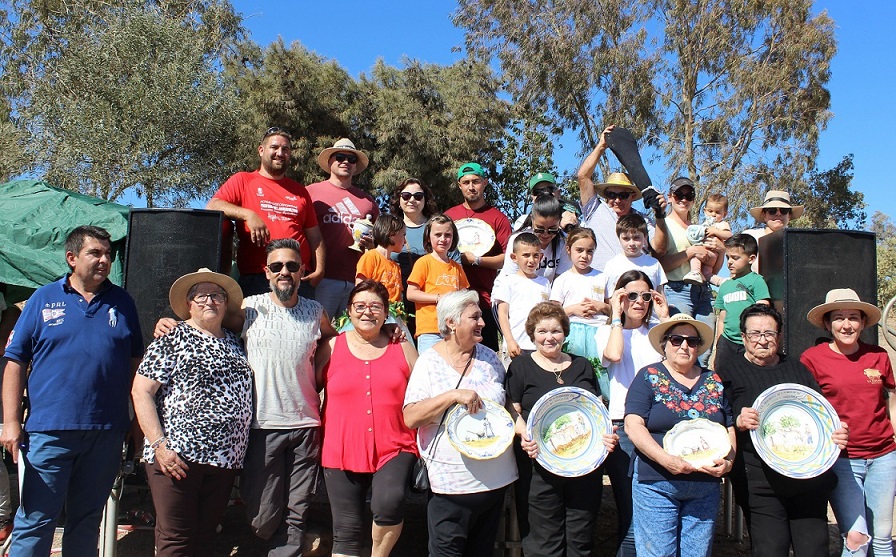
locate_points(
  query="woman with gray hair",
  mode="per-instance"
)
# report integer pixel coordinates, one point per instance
(467, 495)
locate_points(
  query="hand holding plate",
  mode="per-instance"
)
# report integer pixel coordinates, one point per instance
(530, 446)
(747, 420)
(611, 440)
(719, 468)
(841, 435)
(677, 465)
(469, 399)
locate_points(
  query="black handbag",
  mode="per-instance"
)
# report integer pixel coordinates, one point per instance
(419, 474)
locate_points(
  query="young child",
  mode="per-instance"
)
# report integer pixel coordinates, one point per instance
(518, 293)
(377, 264)
(581, 293)
(433, 275)
(631, 230)
(715, 210)
(744, 289)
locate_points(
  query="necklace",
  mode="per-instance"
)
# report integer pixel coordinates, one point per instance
(558, 368)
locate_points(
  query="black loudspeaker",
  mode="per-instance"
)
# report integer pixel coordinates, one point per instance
(164, 244)
(801, 265)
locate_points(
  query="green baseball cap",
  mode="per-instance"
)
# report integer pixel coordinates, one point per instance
(470, 168)
(541, 177)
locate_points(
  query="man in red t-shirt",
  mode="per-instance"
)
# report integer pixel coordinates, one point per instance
(481, 270)
(268, 206)
(338, 204)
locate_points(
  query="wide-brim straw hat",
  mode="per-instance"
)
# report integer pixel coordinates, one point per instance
(656, 334)
(177, 295)
(777, 199)
(843, 298)
(344, 145)
(619, 180)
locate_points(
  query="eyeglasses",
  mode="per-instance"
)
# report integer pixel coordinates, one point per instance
(276, 131)
(545, 231)
(633, 296)
(686, 196)
(418, 195)
(757, 336)
(778, 210)
(375, 308)
(620, 195)
(291, 266)
(216, 297)
(342, 157)
(676, 340)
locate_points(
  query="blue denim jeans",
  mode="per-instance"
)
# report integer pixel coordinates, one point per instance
(863, 501)
(694, 300)
(426, 341)
(674, 518)
(616, 468)
(74, 468)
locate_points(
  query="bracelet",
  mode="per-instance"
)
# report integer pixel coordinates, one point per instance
(616, 323)
(158, 442)
(477, 260)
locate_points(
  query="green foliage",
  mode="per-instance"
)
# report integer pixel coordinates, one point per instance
(886, 257)
(831, 203)
(122, 96)
(731, 94)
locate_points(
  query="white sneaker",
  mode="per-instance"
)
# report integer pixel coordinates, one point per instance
(693, 278)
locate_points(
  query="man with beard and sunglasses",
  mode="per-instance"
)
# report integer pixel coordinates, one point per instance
(266, 204)
(281, 331)
(603, 204)
(338, 204)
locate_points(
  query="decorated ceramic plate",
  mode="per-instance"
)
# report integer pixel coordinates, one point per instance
(474, 236)
(794, 433)
(698, 441)
(483, 435)
(568, 425)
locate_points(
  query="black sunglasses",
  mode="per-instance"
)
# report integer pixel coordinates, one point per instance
(274, 130)
(342, 157)
(689, 196)
(633, 296)
(552, 231)
(620, 195)
(777, 210)
(291, 266)
(418, 195)
(676, 340)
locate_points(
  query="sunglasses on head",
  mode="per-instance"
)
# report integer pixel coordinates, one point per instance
(633, 296)
(778, 210)
(551, 231)
(342, 157)
(274, 130)
(418, 195)
(685, 196)
(676, 340)
(291, 266)
(620, 195)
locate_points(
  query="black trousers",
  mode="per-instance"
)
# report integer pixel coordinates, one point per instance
(464, 525)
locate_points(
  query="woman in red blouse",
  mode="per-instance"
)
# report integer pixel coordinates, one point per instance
(857, 379)
(365, 442)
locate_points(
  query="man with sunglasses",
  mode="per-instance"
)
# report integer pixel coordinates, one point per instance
(481, 270)
(603, 204)
(775, 213)
(266, 205)
(338, 204)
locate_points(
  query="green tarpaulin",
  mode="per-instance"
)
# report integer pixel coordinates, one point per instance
(35, 219)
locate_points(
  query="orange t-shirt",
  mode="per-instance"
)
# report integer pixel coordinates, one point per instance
(434, 277)
(374, 266)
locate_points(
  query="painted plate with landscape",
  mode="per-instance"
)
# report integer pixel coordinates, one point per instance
(794, 433)
(698, 441)
(474, 236)
(568, 425)
(483, 435)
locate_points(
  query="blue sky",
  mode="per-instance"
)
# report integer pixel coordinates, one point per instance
(356, 34)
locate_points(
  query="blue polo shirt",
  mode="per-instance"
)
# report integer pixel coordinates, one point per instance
(81, 357)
